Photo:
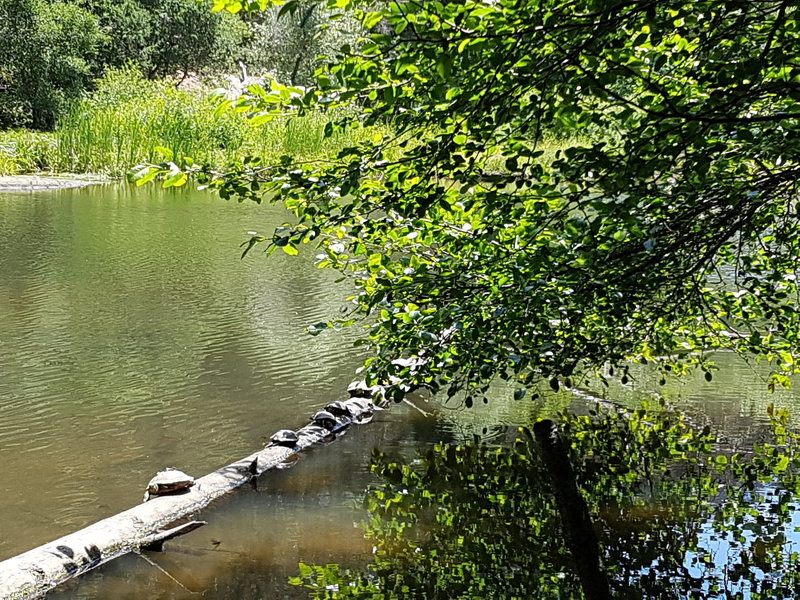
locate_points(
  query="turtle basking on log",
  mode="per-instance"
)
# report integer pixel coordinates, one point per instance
(364, 405)
(339, 409)
(361, 389)
(41, 569)
(367, 409)
(325, 419)
(285, 437)
(168, 481)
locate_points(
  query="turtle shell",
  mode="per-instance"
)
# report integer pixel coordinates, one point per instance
(338, 409)
(363, 404)
(325, 419)
(284, 437)
(168, 481)
(360, 389)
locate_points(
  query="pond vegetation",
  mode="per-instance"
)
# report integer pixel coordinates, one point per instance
(128, 120)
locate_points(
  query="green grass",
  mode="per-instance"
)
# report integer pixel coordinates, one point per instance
(26, 151)
(127, 117)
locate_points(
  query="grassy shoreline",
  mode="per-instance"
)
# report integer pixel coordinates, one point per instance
(122, 123)
(127, 119)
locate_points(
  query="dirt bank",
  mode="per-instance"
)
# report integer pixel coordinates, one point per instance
(17, 183)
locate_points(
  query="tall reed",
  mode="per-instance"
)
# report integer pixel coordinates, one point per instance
(24, 151)
(122, 122)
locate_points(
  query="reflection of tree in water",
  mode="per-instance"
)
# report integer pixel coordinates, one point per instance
(675, 518)
(250, 580)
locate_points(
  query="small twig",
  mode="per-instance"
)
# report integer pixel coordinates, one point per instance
(191, 551)
(165, 572)
(412, 405)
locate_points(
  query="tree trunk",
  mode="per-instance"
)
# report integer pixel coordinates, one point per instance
(581, 537)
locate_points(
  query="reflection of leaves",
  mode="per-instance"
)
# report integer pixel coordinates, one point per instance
(454, 524)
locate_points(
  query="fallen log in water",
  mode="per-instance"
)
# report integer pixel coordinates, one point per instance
(150, 524)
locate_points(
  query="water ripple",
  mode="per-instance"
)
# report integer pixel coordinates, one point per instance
(133, 337)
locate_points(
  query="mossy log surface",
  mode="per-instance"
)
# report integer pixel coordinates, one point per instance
(33, 573)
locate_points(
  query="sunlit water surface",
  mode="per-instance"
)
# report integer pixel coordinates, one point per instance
(133, 337)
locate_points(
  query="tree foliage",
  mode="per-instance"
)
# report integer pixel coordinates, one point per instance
(665, 226)
(286, 41)
(167, 37)
(46, 56)
(51, 52)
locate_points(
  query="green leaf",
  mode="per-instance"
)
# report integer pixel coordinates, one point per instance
(261, 119)
(222, 107)
(175, 180)
(444, 65)
(289, 8)
(165, 152)
(146, 175)
(371, 19)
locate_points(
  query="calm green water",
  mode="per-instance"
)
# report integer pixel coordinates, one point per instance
(133, 337)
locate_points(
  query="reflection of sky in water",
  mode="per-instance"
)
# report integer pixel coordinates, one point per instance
(720, 547)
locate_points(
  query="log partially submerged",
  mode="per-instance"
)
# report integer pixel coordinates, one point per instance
(148, 525)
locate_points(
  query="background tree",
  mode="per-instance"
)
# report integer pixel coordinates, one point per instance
(168, 37)
(52, 52)
(664, 228)
(47, 51)
(285, 41)
(16, 31)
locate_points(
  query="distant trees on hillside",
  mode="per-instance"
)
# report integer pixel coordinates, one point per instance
(52, 51)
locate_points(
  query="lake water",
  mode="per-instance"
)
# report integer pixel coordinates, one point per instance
(133, 337)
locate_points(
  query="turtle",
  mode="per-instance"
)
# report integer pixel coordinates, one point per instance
(168, 481)
(360, 389)
(363, 404)
(339, 409)
(325, 419)
(311, 434)
(284, 437)
(363, 410)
